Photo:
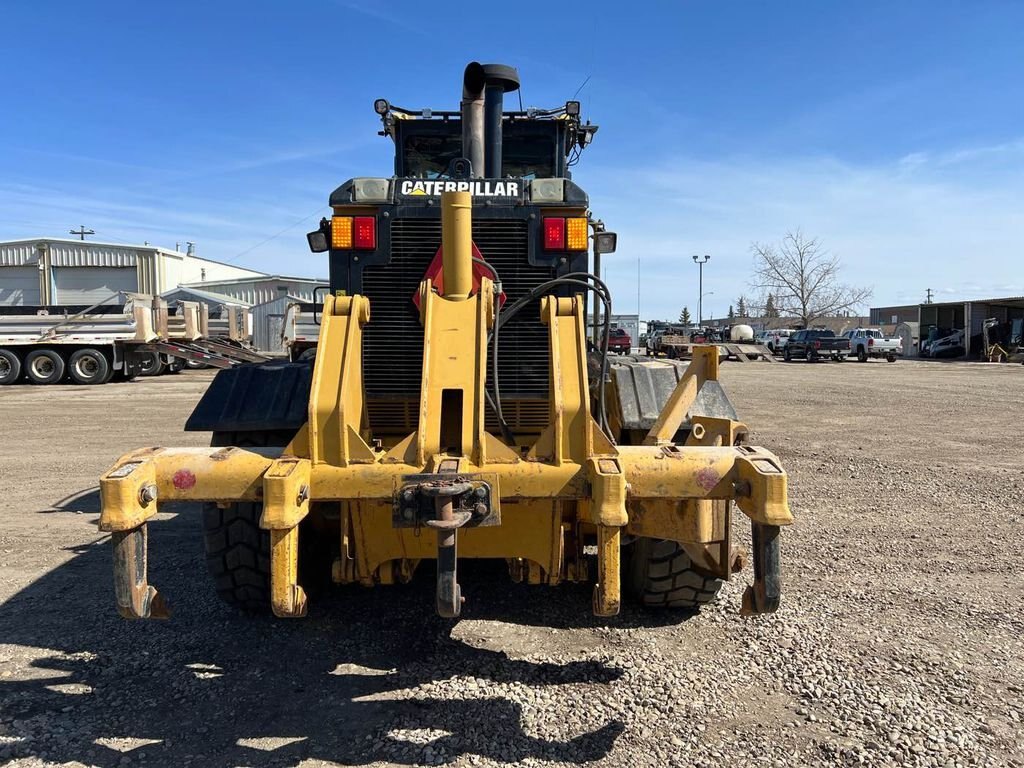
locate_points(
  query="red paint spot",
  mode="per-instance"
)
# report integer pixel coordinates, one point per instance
(707, 478)
(184, 479)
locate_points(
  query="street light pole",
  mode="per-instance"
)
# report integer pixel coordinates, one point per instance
(700, 286)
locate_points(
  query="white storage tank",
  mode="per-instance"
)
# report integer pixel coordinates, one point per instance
(741, 333)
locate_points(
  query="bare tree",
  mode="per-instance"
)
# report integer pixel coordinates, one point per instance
(803, 279)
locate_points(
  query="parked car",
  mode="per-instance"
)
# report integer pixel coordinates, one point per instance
(619, 341)
(871, 342)
(814, 344)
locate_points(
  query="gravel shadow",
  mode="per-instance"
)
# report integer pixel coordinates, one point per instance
(352, 683)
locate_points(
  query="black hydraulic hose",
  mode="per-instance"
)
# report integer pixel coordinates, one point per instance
(607, 295)
(601, 290)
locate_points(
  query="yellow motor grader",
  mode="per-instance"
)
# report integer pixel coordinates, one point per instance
(456, 406)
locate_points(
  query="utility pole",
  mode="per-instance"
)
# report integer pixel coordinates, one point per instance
(81, 232)
(928, 297)
(700, 286)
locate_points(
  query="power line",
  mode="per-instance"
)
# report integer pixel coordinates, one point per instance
(273, 236)
(82, 231)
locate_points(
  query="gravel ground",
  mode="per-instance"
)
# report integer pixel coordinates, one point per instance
(899, 641)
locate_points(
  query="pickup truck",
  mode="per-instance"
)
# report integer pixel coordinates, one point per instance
(619, 341)
(776, 339)
(814, 344)
(871, 342)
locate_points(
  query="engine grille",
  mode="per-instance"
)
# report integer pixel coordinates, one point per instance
(393, 339)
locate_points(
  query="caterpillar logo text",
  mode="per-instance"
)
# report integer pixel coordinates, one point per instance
(476, 187)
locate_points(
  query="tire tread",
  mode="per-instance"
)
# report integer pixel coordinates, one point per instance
(663, 576)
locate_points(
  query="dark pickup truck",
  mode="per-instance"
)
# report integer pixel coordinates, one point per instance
(814, 345)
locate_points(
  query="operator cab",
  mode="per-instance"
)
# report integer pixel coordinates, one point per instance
(535, 145)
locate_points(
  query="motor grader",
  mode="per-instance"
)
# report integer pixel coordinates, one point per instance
(456, 407)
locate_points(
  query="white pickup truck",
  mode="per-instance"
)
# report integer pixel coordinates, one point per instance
(774, 339)
(871, 342)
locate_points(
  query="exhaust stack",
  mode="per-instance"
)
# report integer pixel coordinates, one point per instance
(483, 90)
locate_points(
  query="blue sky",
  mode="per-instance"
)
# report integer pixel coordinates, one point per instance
(892, 131)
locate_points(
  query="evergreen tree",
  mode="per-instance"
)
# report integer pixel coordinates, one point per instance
(684, 316)
(732, 313)
(741, 306)
(769, 307)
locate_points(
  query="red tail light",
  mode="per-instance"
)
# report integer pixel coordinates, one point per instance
(364, 233)
(554, 234)
(871, 341)
(817, 345)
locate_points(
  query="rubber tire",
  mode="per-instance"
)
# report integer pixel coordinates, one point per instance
(13, 366)
(812, 356)
(176, 365)
(890, 358)
(238, 555)
(58, 366)
(786, 355)
(101, 374)
(659, 574)
(308, 354)
(862, 356)
(154, 362)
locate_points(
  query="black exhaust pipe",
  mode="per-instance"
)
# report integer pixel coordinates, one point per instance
(500, 80)
(472, 109)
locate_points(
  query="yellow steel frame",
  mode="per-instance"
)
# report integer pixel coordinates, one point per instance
(572, 480)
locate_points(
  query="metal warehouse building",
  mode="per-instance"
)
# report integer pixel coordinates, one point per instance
(76, 272)
(967, 316)
(258, 288)
(268, 296)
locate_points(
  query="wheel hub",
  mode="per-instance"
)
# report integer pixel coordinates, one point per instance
(86, 367)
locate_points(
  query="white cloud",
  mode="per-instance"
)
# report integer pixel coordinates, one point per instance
(948, 224)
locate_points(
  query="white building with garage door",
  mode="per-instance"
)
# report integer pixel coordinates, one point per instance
(56, 271)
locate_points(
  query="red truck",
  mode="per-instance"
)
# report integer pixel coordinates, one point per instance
(619, 341)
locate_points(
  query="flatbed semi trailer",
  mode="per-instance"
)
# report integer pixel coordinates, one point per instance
(93, 345)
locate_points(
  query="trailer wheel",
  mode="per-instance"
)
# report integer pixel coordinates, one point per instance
(150, 364)
(44, 366)
(659, 574)
(88, 366)
(10, 367)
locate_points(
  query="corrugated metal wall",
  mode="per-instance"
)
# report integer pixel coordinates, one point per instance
(18, 254)
(261, 290)
(88, 255)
